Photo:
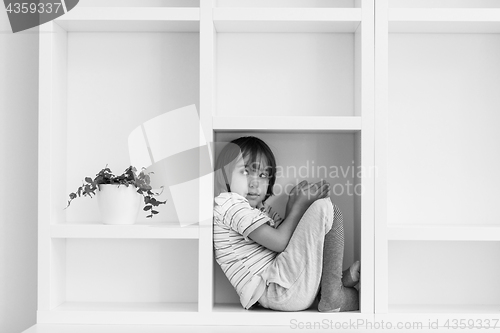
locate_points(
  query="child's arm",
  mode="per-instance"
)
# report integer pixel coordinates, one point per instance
(301, 197)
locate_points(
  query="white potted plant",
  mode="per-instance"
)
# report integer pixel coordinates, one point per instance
(119, 197)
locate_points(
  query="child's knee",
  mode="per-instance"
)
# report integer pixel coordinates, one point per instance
(324, 205)
(323, 208)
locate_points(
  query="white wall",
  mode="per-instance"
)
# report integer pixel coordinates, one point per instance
(18, 184)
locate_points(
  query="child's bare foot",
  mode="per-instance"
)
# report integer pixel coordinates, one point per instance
(351, 276)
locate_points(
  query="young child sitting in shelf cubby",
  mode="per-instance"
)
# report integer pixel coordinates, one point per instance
(281, 264)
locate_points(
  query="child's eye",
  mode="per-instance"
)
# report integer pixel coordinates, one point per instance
(245, 172)
(264, 175)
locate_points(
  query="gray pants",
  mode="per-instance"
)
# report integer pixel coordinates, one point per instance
(293, 279)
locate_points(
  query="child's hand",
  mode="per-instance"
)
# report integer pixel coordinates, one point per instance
(304, 194)
(316, 191)
(292, 197)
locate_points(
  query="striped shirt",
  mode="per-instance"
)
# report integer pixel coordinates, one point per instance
(240, 258)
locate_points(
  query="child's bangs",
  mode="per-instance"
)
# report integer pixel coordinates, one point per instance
(257, 161)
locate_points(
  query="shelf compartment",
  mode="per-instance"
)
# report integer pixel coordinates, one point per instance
(444, 20)
(334, 157)
(108, 19)
(432, 232)
(339, 20)
(145, 231)
(122, 274)
(443, 276)
(123, 313)
(120, 78)
(442, 129)
(288, 74)
(284, 124)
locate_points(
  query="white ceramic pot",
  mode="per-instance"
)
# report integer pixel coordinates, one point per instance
(118, 204)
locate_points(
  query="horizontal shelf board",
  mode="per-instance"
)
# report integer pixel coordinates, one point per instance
(182, 314)
(239, 316)
(445, 15)
(104, 19)
(443, 232)
(128, 306)
(236, 307)
(188, 327)
(287, 19)
(135, 231)
(470, 20)
(131, 14)
(290, 124)
(444, 308)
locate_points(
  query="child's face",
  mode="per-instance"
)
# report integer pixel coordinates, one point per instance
(250, 181)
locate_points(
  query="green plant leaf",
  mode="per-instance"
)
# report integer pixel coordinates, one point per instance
(129, 177)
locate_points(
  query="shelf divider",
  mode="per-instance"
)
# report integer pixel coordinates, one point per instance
(135, 231)
(445, 14)
(105, 19)
(442, 232)
(287, 19)
(444, 20)
(290, 124)
(455, 309)
(132, 14)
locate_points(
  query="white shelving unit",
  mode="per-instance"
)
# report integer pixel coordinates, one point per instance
(403, 91)
(437, 70)
(107, 67)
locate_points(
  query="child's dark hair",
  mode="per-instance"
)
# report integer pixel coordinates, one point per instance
(251, 149)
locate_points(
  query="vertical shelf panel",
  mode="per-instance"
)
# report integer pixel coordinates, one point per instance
(207, 105)
(366, 152)
(381, 119)
(52, 152)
